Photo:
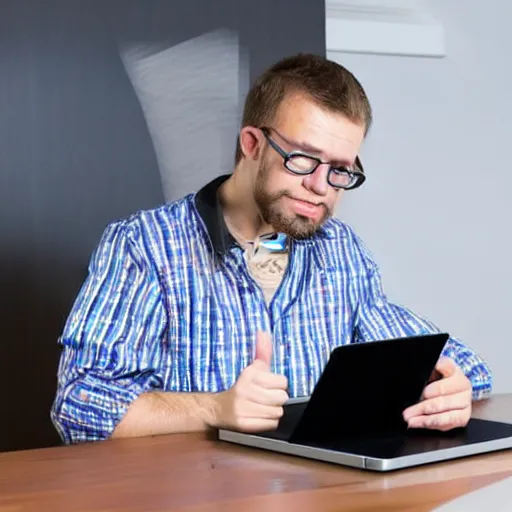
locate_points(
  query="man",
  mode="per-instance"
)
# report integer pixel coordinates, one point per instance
(213, 310)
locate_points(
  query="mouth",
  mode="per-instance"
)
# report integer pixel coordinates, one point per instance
(313, 211)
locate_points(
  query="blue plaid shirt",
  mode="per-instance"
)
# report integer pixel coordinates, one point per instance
(169, 305)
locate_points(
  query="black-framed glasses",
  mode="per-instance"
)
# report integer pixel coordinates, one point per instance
(302, 164)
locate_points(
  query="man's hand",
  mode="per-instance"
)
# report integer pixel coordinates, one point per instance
(445, 403)
(255, 402)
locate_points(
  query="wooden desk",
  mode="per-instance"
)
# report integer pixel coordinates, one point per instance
(192, 473)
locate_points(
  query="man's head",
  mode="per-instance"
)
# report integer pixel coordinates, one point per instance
(310, 105)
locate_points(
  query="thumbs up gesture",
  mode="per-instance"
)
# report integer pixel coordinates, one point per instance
(255, 402)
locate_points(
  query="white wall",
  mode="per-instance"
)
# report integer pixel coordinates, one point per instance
(436, 209)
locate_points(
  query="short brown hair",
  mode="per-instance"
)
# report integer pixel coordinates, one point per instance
(327, 83)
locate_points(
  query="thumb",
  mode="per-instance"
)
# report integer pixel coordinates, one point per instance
(263, 348)
(446, 367)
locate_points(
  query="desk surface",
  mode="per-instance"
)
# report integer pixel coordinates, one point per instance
(193, 473)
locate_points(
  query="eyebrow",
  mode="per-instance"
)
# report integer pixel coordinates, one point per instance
(308, 148)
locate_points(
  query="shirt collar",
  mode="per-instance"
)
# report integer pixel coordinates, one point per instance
(209, 209)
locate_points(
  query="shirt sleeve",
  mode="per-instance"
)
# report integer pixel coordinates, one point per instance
(112, 342)
(378, 319)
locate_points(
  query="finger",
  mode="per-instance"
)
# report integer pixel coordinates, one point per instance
(438, 404)
(443, 421)
(263, 396)
(270, 380)
(269, 412)
(435, 375)
(253, 425)
(447, 367)
(263, 348)
(447, 386)
(260, 411)
(259, 365)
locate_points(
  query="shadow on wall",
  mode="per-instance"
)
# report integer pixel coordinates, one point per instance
(31, 317)
(75, 154)
(192, 115)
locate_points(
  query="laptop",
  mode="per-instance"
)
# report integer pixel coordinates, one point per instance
(354, 415)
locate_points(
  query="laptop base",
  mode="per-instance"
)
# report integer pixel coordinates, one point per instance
(390, 452)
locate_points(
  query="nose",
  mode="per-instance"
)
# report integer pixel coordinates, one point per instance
(316, 182)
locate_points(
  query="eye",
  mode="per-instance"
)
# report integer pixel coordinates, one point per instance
(342, 177)
(341, 170)
(301, 163)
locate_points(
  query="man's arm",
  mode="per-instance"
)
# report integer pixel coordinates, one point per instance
(462, 375)
(253, 404)
(159, 412)
(378, 319)
(110, 377)
(112, 341)
(381, 320)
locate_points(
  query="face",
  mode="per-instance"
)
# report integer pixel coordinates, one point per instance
(299, 205)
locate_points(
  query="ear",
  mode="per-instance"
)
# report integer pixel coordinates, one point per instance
(250, 142)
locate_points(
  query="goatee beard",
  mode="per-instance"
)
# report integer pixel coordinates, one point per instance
(298, 226)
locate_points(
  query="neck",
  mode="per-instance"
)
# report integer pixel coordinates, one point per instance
(241, 213)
